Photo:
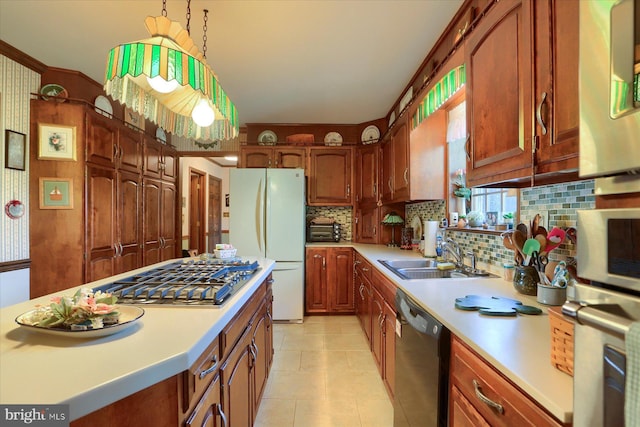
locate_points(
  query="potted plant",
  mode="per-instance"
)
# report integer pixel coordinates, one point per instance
(461, 191)
(508, 219)
(475, 219)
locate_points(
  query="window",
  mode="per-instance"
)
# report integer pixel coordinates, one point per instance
(494, 202)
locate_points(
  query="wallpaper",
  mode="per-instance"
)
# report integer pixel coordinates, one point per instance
(16, 84)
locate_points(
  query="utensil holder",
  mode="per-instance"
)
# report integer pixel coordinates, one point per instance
(526, 279)
(551, 295)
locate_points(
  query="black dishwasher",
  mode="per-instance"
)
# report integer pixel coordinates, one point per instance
(422, 367)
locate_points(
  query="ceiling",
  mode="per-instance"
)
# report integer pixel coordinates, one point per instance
(288, 61)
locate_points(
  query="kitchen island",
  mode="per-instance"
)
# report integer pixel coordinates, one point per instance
(518, 347)
(89, 374)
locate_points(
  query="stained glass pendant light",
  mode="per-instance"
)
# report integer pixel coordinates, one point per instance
(166, 78)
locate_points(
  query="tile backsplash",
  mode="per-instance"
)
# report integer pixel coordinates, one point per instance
(559, 201)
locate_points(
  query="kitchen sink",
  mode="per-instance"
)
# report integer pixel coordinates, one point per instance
(408, 263)
(420, 269)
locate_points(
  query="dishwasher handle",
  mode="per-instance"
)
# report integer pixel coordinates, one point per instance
(415, 316)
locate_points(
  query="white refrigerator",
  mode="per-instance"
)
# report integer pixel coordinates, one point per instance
(267, 219)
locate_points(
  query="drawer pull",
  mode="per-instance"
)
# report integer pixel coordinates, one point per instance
(484, 399)
(222, 415)
(212, 368)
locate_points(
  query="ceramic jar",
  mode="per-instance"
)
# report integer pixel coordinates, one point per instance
(525, 280)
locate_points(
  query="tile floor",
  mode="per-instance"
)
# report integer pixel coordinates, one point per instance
(323, 375)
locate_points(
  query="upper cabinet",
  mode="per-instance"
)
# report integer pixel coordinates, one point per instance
(395, 164)
(272, 157)
(522, 103)
(556, 94)
(330, 176)
(499, 97)
(367, 175)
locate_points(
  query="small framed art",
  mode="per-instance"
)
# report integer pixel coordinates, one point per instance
(15, 147)
(56, 142)
(56, 193)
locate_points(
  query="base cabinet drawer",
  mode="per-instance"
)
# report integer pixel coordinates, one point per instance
(208, 412)
(495, 399)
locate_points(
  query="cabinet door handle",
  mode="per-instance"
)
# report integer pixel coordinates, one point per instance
(121, 248)
(115, 151)
(466, 146)
(348, 190)
(389, 185)
(253, 354)
(360, 290)
(375, 189)
(222, 415)
(484, 399)
(210, 369)
(381, 319)
(406, 176)
(253, 343)
(539, 113)
(324, 263)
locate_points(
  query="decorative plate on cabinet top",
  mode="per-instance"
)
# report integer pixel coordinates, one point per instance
(333, 138)
(103, 106)
(370, 134)
(54, 90)
(161, 135)
(267, 137)
(392, 118)
(406, 98)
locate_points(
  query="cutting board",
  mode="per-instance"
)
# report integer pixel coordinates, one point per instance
(495, 306)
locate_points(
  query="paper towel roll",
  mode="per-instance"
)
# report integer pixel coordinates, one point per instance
(430, 233)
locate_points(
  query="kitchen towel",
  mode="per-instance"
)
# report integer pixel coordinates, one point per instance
(632, 385)
(430, 239)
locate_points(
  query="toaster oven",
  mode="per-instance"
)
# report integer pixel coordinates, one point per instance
(323, 232)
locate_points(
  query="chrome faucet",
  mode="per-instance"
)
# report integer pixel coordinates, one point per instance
(453, 248)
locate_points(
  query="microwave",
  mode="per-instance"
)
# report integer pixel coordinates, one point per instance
(609, 82)
(324, 232)
(609, 248)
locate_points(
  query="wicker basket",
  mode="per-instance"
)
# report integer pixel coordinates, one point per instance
(561, 340)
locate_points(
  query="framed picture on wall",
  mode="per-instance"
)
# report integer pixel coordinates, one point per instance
(15, 147)
(56, 142)
(55, 193)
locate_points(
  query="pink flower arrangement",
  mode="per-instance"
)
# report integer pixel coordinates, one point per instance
(84, 310)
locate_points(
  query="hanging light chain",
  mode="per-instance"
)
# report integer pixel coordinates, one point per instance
(164, 8)
(188, 17)
(204, 36)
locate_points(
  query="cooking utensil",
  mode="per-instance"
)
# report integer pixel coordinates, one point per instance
(508, 243)
(523, 229)
(518, 240)
(543, 241)
(541, 231)
(530, 247)
(534, 224)
(554, 239)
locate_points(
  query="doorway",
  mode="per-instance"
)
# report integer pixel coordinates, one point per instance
(197, 211)
(215, 221)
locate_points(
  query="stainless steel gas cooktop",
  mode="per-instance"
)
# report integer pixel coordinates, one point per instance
(189, 283)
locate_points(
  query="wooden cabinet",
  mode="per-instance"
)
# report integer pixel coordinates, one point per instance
(480, 395)
(330, 176)
(113, 234)
(522, 104)
(364, 294)
(395, 164)
(499, 94)
(367, 223)
(556, 86)
(235, 385)
(159, 221)
(108, 143)
(367, 175)
(272, 157)
(160, 160)
(329, 280)
(377, 327)
(383, 329)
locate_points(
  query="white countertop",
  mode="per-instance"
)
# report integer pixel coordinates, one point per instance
(519, 347)
(89, 374)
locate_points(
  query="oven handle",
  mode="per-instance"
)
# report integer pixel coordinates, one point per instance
(598, 319)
